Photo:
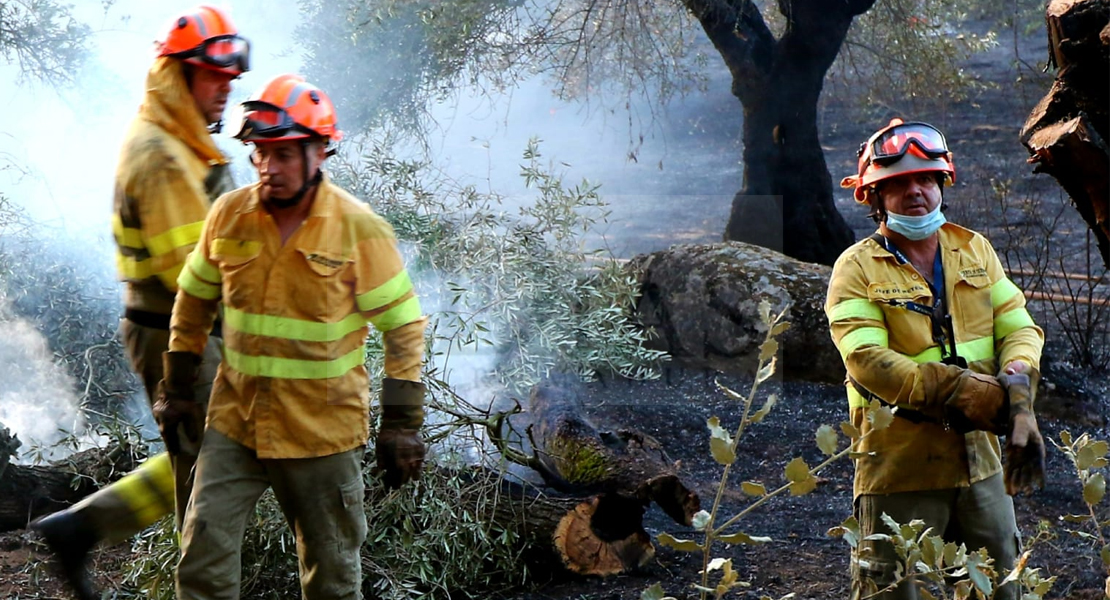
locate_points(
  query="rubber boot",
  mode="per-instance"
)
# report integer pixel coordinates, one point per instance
(70, 537)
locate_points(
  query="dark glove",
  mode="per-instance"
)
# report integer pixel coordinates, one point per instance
(400, 449)
(976, 402)
(176, 410)
(1025, 451)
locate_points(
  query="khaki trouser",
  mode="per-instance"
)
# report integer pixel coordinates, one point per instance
(981, 516)
(321, 498)
(163, 482)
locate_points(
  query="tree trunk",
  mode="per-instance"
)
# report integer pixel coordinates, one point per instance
(1068, 131)
(786, 202)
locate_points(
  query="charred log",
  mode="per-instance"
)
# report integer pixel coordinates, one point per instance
(1067, 132)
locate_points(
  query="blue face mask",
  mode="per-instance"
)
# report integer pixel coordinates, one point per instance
(916, 228)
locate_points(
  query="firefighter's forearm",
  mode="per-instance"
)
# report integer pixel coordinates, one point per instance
(191, 322)
(404, 350)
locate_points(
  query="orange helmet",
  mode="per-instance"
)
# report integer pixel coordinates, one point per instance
(206, 37)
(898, 149)
(288, 108)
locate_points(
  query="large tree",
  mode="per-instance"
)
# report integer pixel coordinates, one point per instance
(390, 56)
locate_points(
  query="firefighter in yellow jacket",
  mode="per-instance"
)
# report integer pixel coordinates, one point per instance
(169, 172)
(301, 268)
(927, 321)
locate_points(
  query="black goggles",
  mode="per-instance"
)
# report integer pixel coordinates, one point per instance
(222, 51)
(892, 144)
(264, 120)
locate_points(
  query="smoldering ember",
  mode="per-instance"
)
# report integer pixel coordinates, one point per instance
(665, 356)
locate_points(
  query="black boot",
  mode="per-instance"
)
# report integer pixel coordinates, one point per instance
(70, 537)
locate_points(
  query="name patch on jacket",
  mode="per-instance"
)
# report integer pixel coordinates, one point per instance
(896, 291)
(973, 272)
(324, 260)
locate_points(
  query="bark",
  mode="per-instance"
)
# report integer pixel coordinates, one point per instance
(786, 200)
(1067, 132)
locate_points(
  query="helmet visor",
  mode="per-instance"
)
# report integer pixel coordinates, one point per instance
(893, 143)
(262, 120)
(223, 52)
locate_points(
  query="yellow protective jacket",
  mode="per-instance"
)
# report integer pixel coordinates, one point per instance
(169, 172)
(884, 345)
(293, 383)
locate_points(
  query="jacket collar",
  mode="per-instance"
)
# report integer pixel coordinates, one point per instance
(952, 237)
(169, 104)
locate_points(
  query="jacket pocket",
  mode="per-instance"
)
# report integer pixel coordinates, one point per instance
(322, 289)
(974, 311)
(232, 253)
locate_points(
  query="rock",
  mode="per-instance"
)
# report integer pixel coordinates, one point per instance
(703, 302)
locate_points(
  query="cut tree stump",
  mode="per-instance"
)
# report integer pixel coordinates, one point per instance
(601, 483)
(1067, 132)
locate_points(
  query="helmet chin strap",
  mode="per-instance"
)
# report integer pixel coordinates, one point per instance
(307, 185)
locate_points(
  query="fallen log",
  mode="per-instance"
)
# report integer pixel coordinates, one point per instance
(30, 491)
(1067, 132)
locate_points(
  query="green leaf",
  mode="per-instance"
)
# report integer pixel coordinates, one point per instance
(767, 371)
(981, 580)
(683, 545)
(700, 520)
(880, 415)
(779, 328)
(1105, 556)
(849, 430)
(826, 440)
(753, 488)
(797, 470)
(767, 406)
(765, 312)
(743, 538)
(720, 442)
(1089, 454)
(1065, 436)
(654, 592)
(1094, 489)
(768, 349)
(849, 530)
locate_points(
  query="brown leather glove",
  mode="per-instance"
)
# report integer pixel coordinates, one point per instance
(977, 402)
(1025, 451)
(176, 410)
(400, 449)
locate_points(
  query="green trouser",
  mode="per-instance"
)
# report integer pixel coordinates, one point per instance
(163, 482)
(981, 516)
(321, 498)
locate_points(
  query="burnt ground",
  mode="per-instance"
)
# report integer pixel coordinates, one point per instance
(802, 559)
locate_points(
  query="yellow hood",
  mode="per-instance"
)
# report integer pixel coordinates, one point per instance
(169, 104)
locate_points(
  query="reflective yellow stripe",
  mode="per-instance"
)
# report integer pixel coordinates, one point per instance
(1011, 321)
(980, 349)
(855, 400)
(231, 247)
(1002, 290)
(385, 293)
(289, 328)
(126, 236)
(130, 268)
(202, 268)
(291, 368)
(864, 336)
(148, 490)
(178, 237)
(402, 314)
(195, 286)
(857, 308)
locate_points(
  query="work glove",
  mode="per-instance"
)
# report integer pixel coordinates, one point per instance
(400, 449)
(1025, 451)
(176, 410)
(976, 402)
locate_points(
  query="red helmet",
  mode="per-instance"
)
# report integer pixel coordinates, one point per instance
(206, 37)
(898, 149)
(288, 108)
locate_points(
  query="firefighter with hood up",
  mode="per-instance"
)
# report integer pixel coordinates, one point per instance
(170, 170)
(302, 269)
(927, 321)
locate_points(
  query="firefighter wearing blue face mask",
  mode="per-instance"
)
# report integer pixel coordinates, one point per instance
(926, 320)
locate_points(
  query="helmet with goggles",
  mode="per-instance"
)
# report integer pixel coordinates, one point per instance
(288, 108)
(900, 148)
(205, 37)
